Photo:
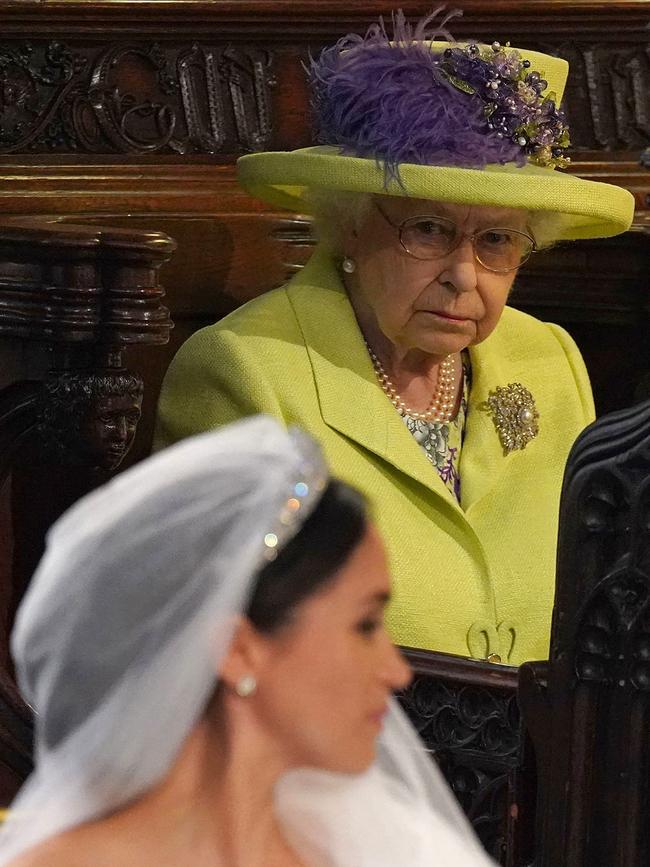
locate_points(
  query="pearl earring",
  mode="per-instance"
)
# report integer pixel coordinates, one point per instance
(246, 686)
(349, 265)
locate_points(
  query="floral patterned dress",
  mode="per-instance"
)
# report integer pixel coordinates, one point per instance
(442, 441)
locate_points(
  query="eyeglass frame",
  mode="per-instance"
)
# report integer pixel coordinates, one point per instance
(461, 236)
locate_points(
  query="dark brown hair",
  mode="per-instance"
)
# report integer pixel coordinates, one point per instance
(311, 559)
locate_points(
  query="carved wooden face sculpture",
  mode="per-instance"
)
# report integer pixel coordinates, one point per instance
(91, 419)
(108, 429)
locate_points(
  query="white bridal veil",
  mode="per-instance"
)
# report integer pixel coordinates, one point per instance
(117, 638)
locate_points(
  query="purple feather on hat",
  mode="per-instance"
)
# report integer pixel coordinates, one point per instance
(394, 101)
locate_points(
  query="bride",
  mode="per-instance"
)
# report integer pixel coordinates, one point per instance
(204, 646)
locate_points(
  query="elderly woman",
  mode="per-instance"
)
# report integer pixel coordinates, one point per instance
(394, 346)
(204, 645)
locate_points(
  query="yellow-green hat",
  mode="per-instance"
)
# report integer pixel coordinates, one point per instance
(431, 119)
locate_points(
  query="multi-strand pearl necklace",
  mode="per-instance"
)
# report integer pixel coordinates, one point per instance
(443, 400)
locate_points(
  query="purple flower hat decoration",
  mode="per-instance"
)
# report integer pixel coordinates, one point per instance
(403, 101)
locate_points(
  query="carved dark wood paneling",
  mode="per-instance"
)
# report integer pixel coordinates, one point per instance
(608, 94)
(76, 298)
(591, 722)
(212, 98)
(611, 644)
(468, 717)
(586, 712)
(133, 98)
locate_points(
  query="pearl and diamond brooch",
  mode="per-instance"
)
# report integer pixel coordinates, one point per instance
(515, 416)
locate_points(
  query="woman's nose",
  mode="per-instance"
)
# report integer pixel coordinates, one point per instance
(460, 273)
(397, 671)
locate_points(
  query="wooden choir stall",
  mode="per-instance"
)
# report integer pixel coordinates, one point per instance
(119, 129)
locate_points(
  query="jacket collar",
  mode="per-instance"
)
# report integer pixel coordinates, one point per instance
(352, 403)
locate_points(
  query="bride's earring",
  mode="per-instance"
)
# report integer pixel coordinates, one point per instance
(348, 265)
(246, 686)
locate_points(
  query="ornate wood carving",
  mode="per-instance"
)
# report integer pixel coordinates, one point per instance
(608, 94)
(90, 418)
(88, 294)
(74, 299)
(592, 719)
(134, 98)
(213, 97)
(467, 715)
(87, 418)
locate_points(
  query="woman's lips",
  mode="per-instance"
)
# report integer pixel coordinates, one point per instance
(447, 316)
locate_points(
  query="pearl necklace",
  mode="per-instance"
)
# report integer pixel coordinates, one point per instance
(443, 400)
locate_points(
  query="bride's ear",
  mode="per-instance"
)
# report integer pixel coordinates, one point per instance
(244, 659)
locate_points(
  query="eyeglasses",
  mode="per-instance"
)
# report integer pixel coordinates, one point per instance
(499, 250)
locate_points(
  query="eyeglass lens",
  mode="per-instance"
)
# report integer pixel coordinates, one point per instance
(435, 237)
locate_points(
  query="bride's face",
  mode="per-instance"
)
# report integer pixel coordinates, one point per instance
(327, 675)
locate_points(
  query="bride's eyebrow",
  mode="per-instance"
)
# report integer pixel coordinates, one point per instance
(382, 598)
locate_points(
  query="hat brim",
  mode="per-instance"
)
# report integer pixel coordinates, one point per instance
(580, 208)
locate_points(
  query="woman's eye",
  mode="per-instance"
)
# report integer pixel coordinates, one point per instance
(368, 627)
(430, 229)
(497, 239)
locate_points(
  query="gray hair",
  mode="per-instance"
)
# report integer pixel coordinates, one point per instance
(545, 227)
(336, 214)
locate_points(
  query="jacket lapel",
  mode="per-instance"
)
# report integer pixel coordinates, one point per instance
(481, 459)
(350, 399)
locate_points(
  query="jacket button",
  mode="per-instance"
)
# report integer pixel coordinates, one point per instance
(494, 657)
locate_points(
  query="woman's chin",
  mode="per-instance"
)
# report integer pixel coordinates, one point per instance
(356, 761)
(446, 338)
(448, 345)
(357, 765)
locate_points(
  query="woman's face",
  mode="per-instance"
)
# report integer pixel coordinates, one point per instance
(438, 306)
(327, 676)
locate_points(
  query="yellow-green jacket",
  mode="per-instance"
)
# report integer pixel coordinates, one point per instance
(476, 580)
